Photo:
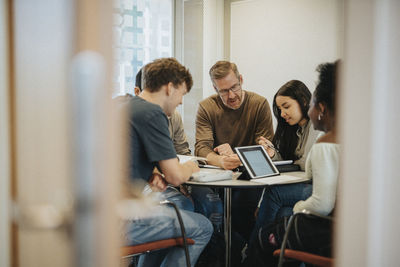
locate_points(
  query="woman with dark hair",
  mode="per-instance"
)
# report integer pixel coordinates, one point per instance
(322, 166)
(294, 135)
(293, 140)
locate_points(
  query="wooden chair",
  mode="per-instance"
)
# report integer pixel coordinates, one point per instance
(130, 251)
(183, 241)
(306, 257)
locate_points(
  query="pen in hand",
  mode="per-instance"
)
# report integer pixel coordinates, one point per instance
(272, 147)
(266, 143)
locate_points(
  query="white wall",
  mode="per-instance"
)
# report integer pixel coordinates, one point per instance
(273, 42)
(213, 32)
(203, 46)
(193, 59)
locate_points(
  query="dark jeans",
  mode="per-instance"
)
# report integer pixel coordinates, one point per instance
(244, 204)
(278, 201)
(208, 203)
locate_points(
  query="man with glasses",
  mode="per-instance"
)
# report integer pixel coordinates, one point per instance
(232, 117)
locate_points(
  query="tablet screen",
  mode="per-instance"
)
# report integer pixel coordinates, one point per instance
(256, 161)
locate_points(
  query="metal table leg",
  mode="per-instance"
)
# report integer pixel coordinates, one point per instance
(227, 225)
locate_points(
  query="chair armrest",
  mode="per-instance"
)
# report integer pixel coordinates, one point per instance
(129, 251)
(306, 257)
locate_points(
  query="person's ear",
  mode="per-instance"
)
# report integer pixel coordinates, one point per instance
(241, 79)
(306, 103)
(137, 90)
(322, 108)
(170, 88)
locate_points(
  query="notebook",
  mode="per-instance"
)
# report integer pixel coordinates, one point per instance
(261, 168)
(211, 175)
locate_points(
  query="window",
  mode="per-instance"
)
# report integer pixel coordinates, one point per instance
(142, 32)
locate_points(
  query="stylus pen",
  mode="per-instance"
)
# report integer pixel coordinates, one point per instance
(272, 147)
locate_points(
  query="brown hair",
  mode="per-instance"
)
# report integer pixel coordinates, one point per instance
(163, 71)
(221, 69)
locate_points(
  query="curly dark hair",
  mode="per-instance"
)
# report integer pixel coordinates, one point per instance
(163, 71)
(326, 86)
(285, 138)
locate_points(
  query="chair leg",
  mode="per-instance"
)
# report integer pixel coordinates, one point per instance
(284, 241)
(185, 245)
(134, 261)
(129, 261)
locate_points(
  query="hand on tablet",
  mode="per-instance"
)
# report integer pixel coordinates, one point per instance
(230, 162)
(268, 146)
(224, 150)
(224, 157)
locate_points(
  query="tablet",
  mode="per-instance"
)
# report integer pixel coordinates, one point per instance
(256, 161)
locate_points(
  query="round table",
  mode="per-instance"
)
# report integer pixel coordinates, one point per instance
(235, 183)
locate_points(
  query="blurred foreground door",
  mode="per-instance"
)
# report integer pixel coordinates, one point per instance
(61, 150)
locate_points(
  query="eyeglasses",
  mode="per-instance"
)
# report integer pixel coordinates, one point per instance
(234, 89)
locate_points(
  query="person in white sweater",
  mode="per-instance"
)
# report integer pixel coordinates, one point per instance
(322, 166)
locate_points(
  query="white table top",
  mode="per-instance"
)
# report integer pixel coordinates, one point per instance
(249, 183)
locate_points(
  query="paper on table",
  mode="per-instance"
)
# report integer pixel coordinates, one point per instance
(280, 179)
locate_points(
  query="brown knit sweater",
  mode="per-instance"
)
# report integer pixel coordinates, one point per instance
(217, 124)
